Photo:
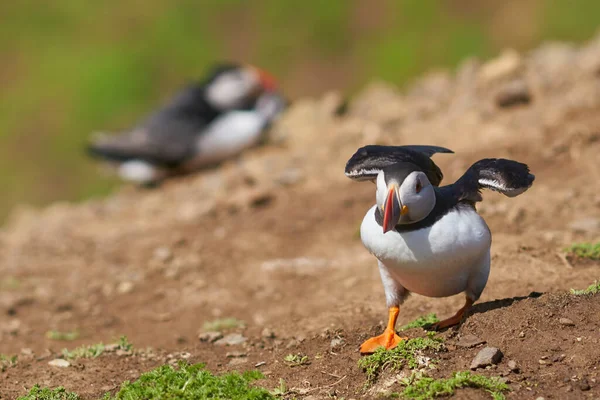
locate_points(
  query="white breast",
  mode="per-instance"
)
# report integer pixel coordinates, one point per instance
(227, 136)
(447, 258)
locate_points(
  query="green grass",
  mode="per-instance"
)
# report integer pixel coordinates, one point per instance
(64, 336)
(421, 322)
(222, 324)
(405, 354)
(7, 361)
(192, 382)
(592, 289)
(38, 393)
(95, 350)
(421, 387)
(590, 251)
(296, 360)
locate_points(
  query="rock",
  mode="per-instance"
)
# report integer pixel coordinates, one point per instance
(292, 343)
(487, 356)
(233, 339)
(125, 287)
(210, 337)
(584, 385)
(59, 362)
(506, 65)
(234, 354)
(585, 225)
(163, 254)
(238, 361)
(268, 333)
(512, 365)
(469, 341)
(521, 334)
(566, 322)
(337, 343)
(513, 93)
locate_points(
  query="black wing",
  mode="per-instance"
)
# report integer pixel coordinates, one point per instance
(366, 163)
(165, 137)
(508, 177)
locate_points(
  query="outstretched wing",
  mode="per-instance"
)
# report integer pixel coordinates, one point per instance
(366, 163)
(508, 177)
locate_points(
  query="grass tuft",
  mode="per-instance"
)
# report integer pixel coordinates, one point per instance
(189, 382)
(592, 289)
(421, 387)
(589, 251)
(38, 393)
(222, 324)
(296, 360)
(95, 350)
(421, 322)
(7, 361)
(405, 354)
(66, 336)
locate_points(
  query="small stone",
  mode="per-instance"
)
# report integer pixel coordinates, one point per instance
(210, 337)
(337, 343)
(487, 356)
(513, 366)
(125, 287)
(521, 334)
(513, 93)
(27, 351)
(558, 358)
(506, 65)
(238, 361)
(259, 364)
(469, 341)
(566, 322)
(584, 385)
(268, 333)
(234, 354)
(540, 398)
(163, 254)
(586, 225)
(122, 353)
(232, 339)
(59, 362)
(292, 343)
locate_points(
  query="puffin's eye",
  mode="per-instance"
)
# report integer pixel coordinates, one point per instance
(418, 187)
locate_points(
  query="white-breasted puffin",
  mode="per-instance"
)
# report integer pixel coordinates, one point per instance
(429, 239)
(205, 123)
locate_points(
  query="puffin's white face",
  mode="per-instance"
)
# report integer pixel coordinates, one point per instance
(404, 202)
(233, 88)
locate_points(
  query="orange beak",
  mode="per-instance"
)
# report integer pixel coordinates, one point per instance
(391, 210)
(267, 81)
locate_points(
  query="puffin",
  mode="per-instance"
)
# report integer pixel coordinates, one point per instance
(203, 124)
(428, 239)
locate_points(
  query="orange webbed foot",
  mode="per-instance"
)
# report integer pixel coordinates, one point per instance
(389, 339)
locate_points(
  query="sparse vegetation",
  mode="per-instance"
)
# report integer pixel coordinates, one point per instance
(421, 322)
(407, 353)
(94, 350)
(222, 324)
(189, 382)
(280, 390)
(592, 289)
(7, 361)
(296, 360)
(9, 283)
(421, 387)
(589, 251)
(65, 336)
(38, 393)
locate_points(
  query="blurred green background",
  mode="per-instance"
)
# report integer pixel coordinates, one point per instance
(71, 67)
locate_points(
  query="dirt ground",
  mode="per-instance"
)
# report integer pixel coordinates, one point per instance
(271, 239)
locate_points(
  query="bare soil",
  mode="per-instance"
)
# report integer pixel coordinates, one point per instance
(271, 239)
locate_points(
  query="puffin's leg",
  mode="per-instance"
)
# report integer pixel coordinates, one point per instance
(395, 295)
(475, 286)
(455, 319)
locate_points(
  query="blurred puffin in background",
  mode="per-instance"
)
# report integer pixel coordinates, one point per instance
(203, 124)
